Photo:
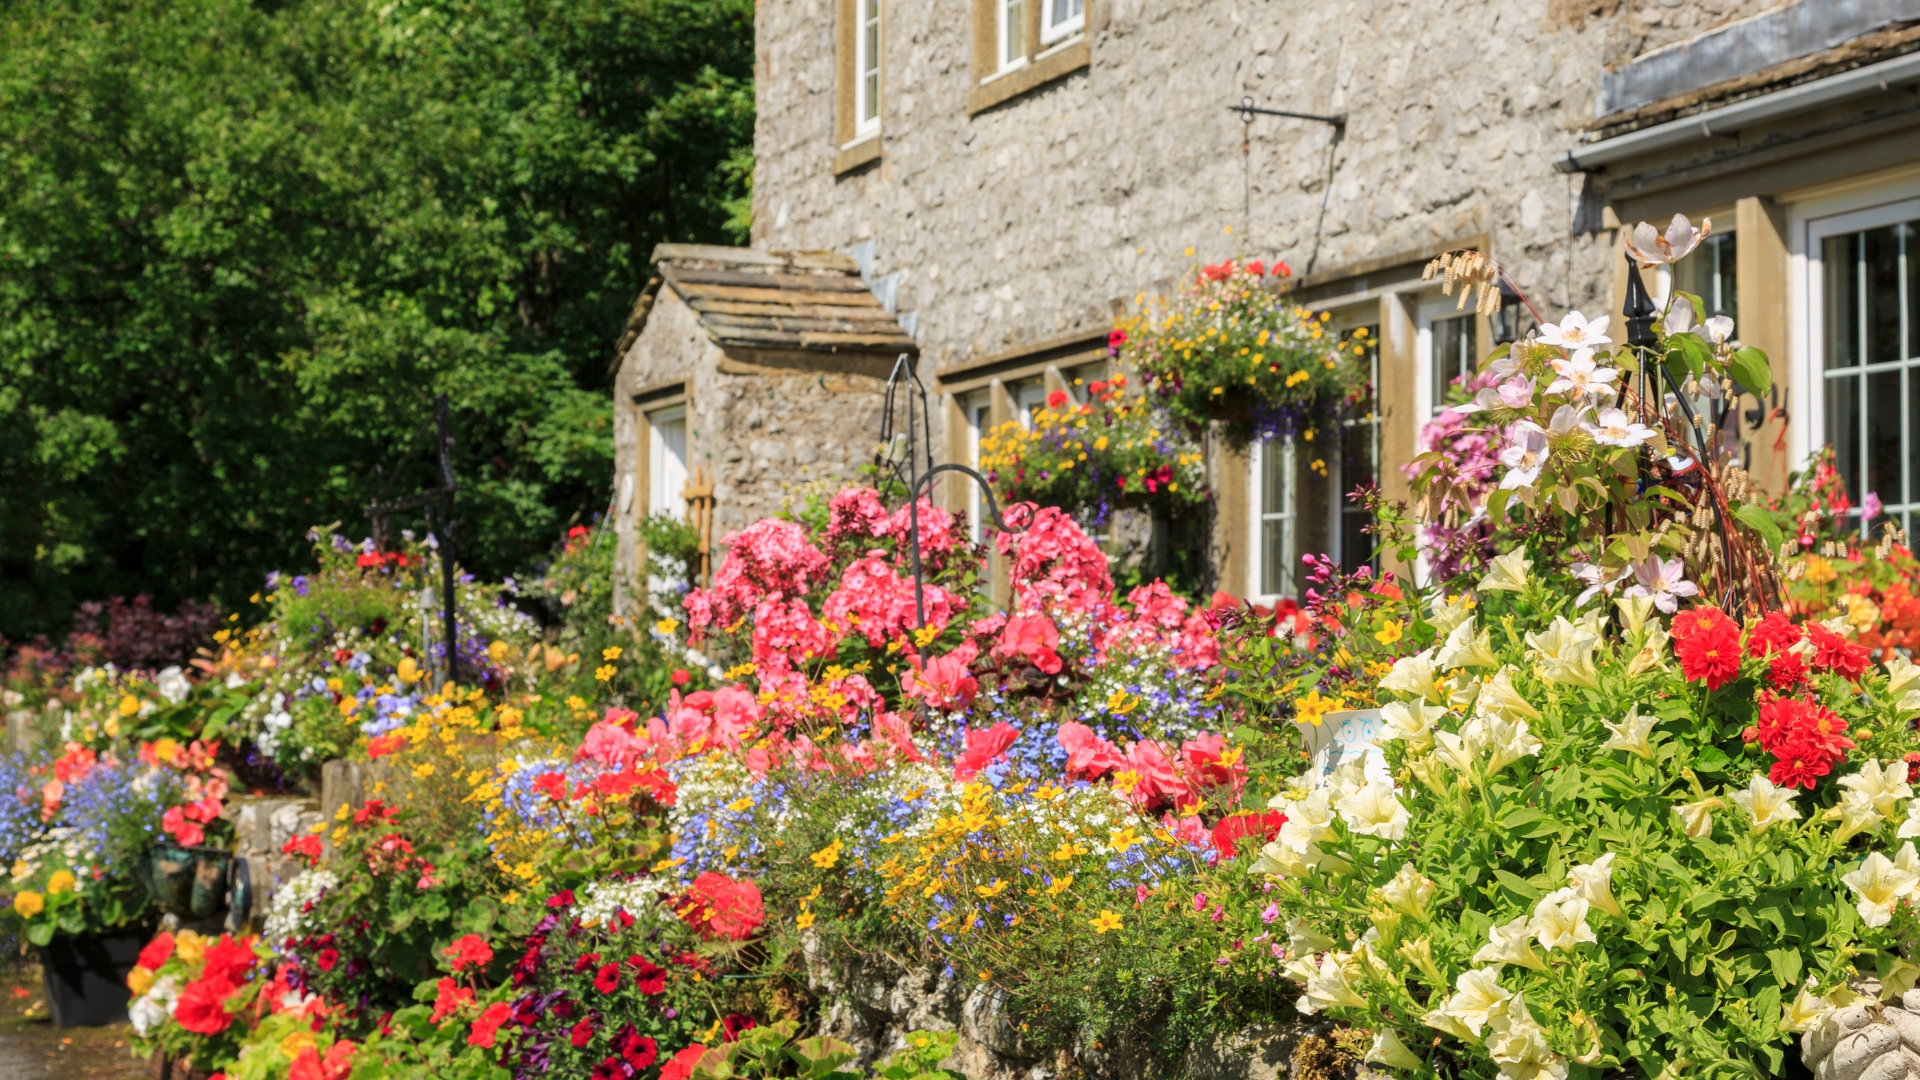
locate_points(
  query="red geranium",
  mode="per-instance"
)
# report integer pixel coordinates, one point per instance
(202, 1006)
(681, 1066)
(717, 906)
(157, 951)
(228, 961)
(1710, 649)
(1235, 827)
(485, 1028)
(471, 951)
(306, 847)
(452, 995)
(337, 1065)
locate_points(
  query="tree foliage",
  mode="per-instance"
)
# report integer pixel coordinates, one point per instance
(243, 245)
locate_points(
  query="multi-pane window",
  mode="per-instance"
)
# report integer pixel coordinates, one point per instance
(667, 462)
(1029, 397)
(1455, 354)
(1273, 487)
(866, 67)
(1061, 19)
(1872, 350)
(1709, 273)
(1359, 454)
(977, 408)
(1012, 31)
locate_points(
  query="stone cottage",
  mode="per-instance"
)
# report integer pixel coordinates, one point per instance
(1009, 174)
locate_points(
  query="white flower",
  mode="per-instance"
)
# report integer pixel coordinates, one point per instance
(1902, 675)
(1719, 330)
(1564, 653)
(1593, 882)
(1519, 1046)
(1911, 826)
(1409, 723)
(1581, 375)
(1884, 786)
(1497, 696)
(1575, 332)
(1560, 921)
(1525, 453)
(1412, 675)
(1651, 248)
(1696, 818)
(1597, 580)
(1465, 649)
(1510, 944)
(1478, 998)
(1880, 884)
(172, 684)
(1388, 1050)
(1634, 611)
(154, 1007)
(1409, 891)
(1856, 814)
(1616, 428)
(1664, 582)
(1630, 734)
(1309, 821)
(1508, 572)
(1280, 860)
(1304, 940)
(1807, 1010)
(1331, 985)
(1374, 811)
(1765, 804)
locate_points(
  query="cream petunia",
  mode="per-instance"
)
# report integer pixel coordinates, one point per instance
(1464, 648)
(1884, 786)
(1519, 1046)
(1478, 998)
(1593, 882)
(1696, 818)
(1510, 944)
(1806, 1011)
(1409, 722)
(1409, 891)
(1856, 814)
(1508, 572)
(1331, 985)
(1413, 675)
(1388, 1050)
(1560, 921)
(1765, 804)
(1374, 811)
(1630, 734)
(1880, 884)
(1564, 654)
(1497, 696)
(1902, 675)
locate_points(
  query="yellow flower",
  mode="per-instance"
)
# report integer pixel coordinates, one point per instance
(409, 670)
(1106, 921)
(1313, 708)
(604, 672)
(423, 770)
(1389, 633)
(827, 856)
(1120, 703)
(611, 652)
(666, 626)
(129, 705)
(1820, 571)
(139, 980)
(293, 1044)
(804, 920)
(1122, 839)
(61, 881)
(29, 903)
(990, 891)
(190, 947)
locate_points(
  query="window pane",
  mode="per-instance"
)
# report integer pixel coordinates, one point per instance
(1913, 446)
(1843, 430)
(1883, 295)
(1058, 14)
(1709, 274)
(1276, 524)
(1841, 255)
(1453, 352)
(1883, 436)
(1011, 29)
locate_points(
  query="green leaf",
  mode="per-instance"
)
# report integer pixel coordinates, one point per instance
(1756, 518)
(1688, 351)
(1786, 964)
(1750, 369)
(1518, 885)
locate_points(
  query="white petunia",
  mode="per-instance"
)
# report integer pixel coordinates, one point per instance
(1464, 648)
(1498, 697)
(1880, 884)
(1478, 998)
(1696, 818)
(1766, 804)
(1412, 675)
(1510, 944)
(1331, 985)
(1388, 1050)
(1630, 734)
(1374, 811)
(1409, 891)
(1885, 785)
(1560, 921)
(1593, 882)
(1564, 653)
(1409, 722)
(1507, 572)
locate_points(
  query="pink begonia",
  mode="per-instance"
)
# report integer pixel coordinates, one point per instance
(785, 633)
(1033, 637)
(982, 748)
(609, 743)
(878, 603)
(769, 559)
(1159, 783)
(893, 731)
(1089, 757)
(943, 682)
(1055, 564)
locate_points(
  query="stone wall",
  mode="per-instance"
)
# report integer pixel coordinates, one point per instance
(1032, 219)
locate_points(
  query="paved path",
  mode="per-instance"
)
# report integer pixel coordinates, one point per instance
(30, 1048)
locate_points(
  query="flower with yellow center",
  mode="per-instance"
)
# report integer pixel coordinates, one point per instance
(1766, 804)
(61, 881)
(29, 903)
(1106, 921)
(1881, 884)
(1389, 633)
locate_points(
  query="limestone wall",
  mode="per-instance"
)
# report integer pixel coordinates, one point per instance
(1026, 221)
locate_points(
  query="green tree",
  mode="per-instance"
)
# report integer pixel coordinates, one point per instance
(243, 245)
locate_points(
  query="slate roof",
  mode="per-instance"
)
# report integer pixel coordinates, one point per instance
(813, 301)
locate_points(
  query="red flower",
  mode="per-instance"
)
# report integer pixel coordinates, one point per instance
(551, 784)
(734, 1023)
(610, 1069)
(337, 1065)
(1800, 770)
(1786, 671)
(1034, 637)
(306, 847)
(582, 1033)
(157, 951)
(452, 995)
(1232, 829)
(1831, 652)
(1704, 617)
(1217, 271)
(648, 977)
(586, 962)
(1257, 268)
(201, 1008)
(681, 1066)
(1913, 767)
(719, 907)
(681, 676)
(187, 833)
(1116, 338)
(608, 979)
(489, 1023)
(228, 961)
(983, 747)
(327, 958)
(1711, 648)
(1057, 399)
(561, 899)
(384, 745)
(638, 1050)
(1773, 634)
(1281, 269)
(471, 951)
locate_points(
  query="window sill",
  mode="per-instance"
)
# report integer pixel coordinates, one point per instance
(1063, 59)
(856, 155)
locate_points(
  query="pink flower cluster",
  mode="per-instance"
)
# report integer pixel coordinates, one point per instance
(769, 559)
(879, 603)
(1159, 780)
(1465, 473)
(1159, 619)
(1055, 564)
(856, 515)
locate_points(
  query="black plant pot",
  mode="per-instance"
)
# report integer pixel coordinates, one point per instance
(86, 976)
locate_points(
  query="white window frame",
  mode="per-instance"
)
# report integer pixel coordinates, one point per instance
(1009, 22)
(1052, 33)
(1028, 394)
(1287, 516)
(868, 57)
(1810, 362)
(977, 411)
(663, 494)
(1428, 398)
